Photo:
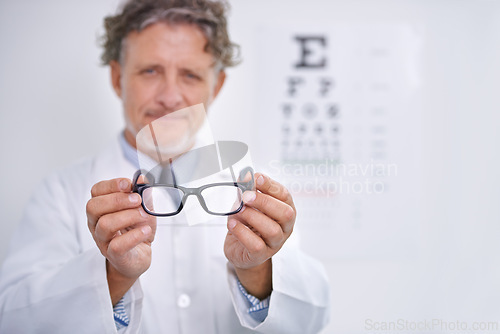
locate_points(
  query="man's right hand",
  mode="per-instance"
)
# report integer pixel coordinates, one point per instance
(123, 231)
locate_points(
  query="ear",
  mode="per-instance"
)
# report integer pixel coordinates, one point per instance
(221, 77)
(116, 76)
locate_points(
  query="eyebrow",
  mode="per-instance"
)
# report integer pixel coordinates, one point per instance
(182, 68)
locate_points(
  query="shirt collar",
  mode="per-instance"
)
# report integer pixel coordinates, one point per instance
(128, 151)
(140, 160)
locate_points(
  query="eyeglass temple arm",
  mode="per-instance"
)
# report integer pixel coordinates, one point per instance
(243, 173)
(137, 174)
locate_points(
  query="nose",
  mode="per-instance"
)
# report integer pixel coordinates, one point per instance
(169, 94)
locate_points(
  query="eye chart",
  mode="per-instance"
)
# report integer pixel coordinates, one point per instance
(342, 132)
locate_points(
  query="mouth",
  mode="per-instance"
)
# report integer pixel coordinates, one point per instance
(166, 116)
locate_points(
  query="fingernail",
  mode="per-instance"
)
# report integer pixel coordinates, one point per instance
(260, 180)
(146, 229)
(123, 184)
(249, 196)
(143, 213)
(231, 224)
(133, 198)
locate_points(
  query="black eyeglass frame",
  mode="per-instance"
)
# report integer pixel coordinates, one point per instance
(141, 187)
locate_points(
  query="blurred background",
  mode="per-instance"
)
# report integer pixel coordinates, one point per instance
(380, 116)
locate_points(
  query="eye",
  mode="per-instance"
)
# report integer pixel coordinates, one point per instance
(192, 76)
(149, 71)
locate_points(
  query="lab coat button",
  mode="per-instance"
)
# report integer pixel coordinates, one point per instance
(183, 301)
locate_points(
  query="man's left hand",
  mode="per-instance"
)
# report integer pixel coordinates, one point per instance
(258, 232)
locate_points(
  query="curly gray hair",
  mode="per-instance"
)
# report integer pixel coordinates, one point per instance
(209, 16)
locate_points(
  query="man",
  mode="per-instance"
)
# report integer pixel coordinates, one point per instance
(129, 274)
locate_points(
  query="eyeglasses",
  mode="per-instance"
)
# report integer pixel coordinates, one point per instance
(220, 199)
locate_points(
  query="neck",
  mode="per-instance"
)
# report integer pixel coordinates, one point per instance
(129, 137)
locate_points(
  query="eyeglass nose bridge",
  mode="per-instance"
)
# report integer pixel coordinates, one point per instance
(194, 192)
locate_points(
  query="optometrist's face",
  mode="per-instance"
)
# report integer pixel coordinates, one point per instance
(165, 68)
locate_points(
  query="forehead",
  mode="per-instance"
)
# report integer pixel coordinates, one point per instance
(162, 42)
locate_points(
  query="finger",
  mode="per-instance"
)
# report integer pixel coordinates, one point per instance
(273, 188)
(252, 242)
(270, 206)
(142, 179)
(111, 186)
(108, 225)
(270, 231)
(246, 177)
(106, 204)
(123, 243)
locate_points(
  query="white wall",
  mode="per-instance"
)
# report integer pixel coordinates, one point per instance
(56, 105)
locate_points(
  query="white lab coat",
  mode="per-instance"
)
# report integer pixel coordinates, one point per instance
(54, 279)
